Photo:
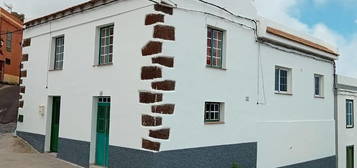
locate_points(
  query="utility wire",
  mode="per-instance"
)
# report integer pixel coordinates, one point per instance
(224, 9)
(220, 17)
(294, 52)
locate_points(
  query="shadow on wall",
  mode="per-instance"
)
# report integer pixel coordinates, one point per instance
(9, 101)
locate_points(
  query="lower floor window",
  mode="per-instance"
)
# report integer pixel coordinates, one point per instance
(212, 112)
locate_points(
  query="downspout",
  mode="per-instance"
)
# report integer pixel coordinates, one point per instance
(335, 90)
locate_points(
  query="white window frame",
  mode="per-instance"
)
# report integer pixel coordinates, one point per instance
(98, 55)
(320, 86)
(53, 53)
(288, 80)
(349, 102)
(222, 64)
(57, 60)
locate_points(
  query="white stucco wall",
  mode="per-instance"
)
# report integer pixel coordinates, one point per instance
(346, 136)
(288, 128)
(80, 80)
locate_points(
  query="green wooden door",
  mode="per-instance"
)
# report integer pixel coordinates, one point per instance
(102, 141)
(56, 103)
(350, 157)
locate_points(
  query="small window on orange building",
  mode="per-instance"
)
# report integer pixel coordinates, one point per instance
(8, 41)
(7, 61)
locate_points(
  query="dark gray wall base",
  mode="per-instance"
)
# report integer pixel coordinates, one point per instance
(36, 140)
(74, 151)
(130, 158)
(245, 155)
(328, 162)
(207, 157)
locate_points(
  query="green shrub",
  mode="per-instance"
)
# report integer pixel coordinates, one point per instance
(235, 165)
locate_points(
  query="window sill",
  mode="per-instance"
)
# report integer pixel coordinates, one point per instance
(319, 97)
(103, 65)
(283, 93)
(349, 127)
(211, 67)
(214, 123)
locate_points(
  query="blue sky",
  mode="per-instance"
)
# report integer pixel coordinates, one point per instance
(337, 15)
(332, 21)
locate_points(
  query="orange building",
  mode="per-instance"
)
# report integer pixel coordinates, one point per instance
(11, 28)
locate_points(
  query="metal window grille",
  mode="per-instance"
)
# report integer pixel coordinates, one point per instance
(212, 112)
(104, 100)
(214, 48)
(59, 53)
(106, 45)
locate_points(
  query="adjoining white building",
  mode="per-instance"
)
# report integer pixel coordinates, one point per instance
(176, 83)
(347, 135)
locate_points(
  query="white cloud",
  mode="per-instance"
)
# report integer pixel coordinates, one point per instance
(280, 10)
(320, 2)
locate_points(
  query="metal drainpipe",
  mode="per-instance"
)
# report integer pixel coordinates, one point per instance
(335, 90)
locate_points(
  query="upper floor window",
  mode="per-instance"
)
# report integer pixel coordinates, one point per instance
(106, 45)
(214, 48)
(282, 80)
(318, 85)
(9, 41)
(349, 113)
(59, 53)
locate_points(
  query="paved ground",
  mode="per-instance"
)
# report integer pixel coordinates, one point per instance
(15, 153)
(7, 128)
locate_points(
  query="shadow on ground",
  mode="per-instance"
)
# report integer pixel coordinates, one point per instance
(9, 101)
(16, 153)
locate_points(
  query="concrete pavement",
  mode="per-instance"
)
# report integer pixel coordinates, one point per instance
(15, 153)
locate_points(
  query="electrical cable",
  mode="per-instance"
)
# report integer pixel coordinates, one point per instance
(48, 57)
(236, 15)
(294, 52)
(220, 17)
(224, 9)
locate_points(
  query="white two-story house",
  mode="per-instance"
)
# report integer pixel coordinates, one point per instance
(176, 84)
(345, 107)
